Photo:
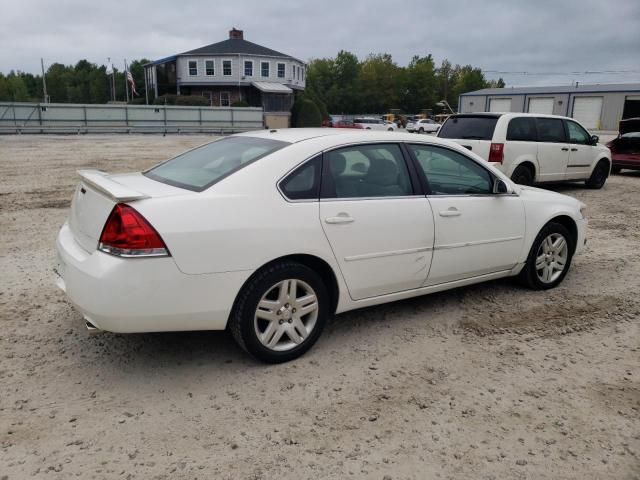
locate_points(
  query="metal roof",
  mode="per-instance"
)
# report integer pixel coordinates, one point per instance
(600, 88)
(271, 87)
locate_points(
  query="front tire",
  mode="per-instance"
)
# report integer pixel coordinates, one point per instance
(522, 175)
(549, 258)
(421, 130)
(599, 175)
(280, 312)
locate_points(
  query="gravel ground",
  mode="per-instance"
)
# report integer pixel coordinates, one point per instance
(490, 381)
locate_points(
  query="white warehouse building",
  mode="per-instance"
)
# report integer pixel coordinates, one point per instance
(597, 107)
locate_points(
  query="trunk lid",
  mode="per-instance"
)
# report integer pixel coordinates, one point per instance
(97, 194)
(629, 125)
(479, 147)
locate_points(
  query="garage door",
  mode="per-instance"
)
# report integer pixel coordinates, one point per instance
(587, 111)
(500, 105)
(543, 106)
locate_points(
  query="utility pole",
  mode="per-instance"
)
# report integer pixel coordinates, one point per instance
(44, 83)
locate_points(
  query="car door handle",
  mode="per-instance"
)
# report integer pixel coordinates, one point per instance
(451, 212)
(565, 149)
(341, 218)
(574, 149)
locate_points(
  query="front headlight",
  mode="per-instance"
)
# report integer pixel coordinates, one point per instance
(583, 210)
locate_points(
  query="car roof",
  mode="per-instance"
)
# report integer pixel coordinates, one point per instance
(508, 115)
(338, 136)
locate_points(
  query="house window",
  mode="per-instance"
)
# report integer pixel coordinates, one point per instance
(193, 68)
(225, 99)
(281, 70)
(209, 68)
(248, 68)
(264, 69)
(293, 72)
(299, 73)
(226, 68)
(302, 72)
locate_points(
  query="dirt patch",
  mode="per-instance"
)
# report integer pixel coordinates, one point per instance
(486, 382)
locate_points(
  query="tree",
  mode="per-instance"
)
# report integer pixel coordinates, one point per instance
(379, 79)
(421, 85)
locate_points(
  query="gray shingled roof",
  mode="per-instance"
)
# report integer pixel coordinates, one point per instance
(234, 46)
(611, 87)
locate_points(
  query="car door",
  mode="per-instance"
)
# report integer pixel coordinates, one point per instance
(477, 232)
(553, 149)
(581, 151)
(378, 223)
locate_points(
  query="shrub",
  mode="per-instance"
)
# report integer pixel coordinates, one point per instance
(305, 113)
(193, 100)
(166, 99)
(240, 103)
(138, 101)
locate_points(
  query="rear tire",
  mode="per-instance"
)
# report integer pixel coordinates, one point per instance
(599, 175)
(522, 175)
(549, 258)
(280, 312)
(421, 130)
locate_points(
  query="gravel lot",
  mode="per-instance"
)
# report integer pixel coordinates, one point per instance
(490, 381)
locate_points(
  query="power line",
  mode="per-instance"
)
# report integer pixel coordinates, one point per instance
(586, 72)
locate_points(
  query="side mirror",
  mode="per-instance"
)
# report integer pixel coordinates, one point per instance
(595, 139)
(499, 187)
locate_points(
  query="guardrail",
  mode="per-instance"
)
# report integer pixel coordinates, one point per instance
(91, 118)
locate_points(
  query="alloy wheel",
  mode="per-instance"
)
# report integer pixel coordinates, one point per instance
(551, 258)
(286, 315)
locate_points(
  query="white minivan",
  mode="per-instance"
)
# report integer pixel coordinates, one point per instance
(532, 148)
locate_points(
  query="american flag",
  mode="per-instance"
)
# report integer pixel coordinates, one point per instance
(131, 82)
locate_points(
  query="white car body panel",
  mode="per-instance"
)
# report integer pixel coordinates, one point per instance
(427, 126)
(395, 247)
(552, 161)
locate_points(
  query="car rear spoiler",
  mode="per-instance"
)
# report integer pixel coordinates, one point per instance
(101, 182)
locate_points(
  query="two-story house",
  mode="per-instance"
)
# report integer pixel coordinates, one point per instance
(230, 71)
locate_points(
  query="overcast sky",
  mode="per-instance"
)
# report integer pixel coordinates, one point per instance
(539, 36)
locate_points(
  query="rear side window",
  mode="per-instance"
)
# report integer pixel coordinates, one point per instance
(469, 127)
(522, 129)
(365, 171)
(304, 182)
(201, 167)
(550, 130)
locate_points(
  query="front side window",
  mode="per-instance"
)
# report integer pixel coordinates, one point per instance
(366, 171)
(209, 68)
(304, 182)
(226, 68)
(248, 68)
(451, 173)
(193, 68)
(550, 130)
(577, 134)
(264, 69)
(522, 129)
(201, 167)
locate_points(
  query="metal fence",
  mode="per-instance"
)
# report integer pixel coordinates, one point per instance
(90, 118)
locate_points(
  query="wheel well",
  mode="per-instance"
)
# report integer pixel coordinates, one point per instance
(568, 223)
(318, 265)
(530, 166)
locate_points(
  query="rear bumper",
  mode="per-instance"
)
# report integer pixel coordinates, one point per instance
(127, 295)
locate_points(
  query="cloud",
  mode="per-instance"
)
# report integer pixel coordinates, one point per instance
(509, 36)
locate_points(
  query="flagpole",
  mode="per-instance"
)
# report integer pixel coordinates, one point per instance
(126, 80)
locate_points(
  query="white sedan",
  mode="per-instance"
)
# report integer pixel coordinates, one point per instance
(425, 125)
(270, 233)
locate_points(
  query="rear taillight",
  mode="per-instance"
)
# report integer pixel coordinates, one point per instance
(496, 152)
(128, 234)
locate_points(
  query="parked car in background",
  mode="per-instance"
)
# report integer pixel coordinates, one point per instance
(241, 234)
(532, 148)
(370, 123)
(424, 125)
(345, 124)
(625, 149)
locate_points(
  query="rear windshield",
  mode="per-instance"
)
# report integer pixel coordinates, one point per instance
(201, 167)
(469, 127)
